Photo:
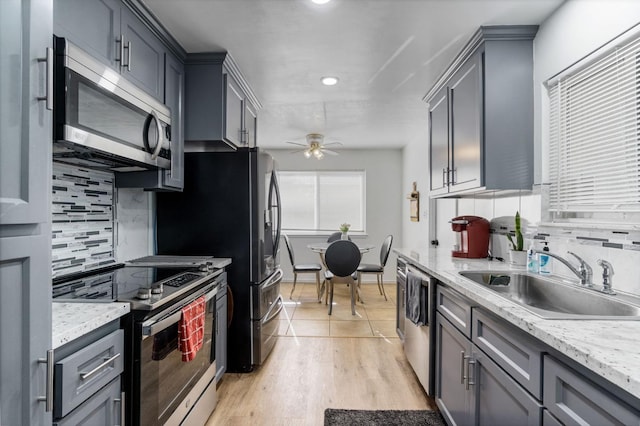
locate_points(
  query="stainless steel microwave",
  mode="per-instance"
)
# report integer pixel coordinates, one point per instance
(103, 121)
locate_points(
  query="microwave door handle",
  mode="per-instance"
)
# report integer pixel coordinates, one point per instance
(159, 139)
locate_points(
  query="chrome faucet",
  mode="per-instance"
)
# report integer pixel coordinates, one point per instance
(583, 271)
(607, 272)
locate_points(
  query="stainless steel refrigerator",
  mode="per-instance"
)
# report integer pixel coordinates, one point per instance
(230, 207)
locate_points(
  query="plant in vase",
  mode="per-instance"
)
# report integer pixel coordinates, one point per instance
(517, 255)
(344, 228)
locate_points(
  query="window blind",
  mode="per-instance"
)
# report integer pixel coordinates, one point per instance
(594, 151)
(322, 200)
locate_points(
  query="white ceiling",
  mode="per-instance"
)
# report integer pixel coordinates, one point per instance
(387, 54)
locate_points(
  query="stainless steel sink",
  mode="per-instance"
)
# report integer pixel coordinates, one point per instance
(553, 299)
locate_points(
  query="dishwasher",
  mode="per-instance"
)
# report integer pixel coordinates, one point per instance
(419, 340)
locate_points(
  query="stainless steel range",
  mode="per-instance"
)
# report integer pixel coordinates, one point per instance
(161, 388)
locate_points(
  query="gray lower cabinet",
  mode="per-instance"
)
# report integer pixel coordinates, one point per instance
(87, 378)
(481, 115)
(25, 216)
(576, 400)
(473, 389)
(451, 349)
(104, 408)
(113, 34)
(221, 333)
(500, 375)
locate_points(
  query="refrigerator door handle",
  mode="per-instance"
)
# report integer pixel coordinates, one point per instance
(276, 188)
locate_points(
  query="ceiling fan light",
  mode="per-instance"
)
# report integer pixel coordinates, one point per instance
(307, 153)
(318, 154)
(320, 1)
(329, 81)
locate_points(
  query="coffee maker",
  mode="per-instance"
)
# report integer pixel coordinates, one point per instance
(472, 237)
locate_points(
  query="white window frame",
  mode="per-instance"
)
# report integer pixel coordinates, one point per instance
(317, 174)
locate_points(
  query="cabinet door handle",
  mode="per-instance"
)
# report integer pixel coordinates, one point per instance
(48, 398)
(48, 97)
(454, 178)
(107, 361)
(128, 55)
(470, 381)
(120, 42)
(462, 359)
(445, 177)
(121, 402)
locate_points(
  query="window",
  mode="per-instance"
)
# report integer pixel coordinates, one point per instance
(594, 150)
(321, 201)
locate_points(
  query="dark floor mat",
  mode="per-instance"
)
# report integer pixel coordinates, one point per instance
(335, 417)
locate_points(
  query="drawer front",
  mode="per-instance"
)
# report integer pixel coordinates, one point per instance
(103, 408)
(455, 308)
(84, 372)
(517, 354)
(575, 400)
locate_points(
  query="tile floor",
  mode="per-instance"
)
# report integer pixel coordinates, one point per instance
(305, 317)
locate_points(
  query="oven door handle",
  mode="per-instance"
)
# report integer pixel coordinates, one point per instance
(162, 321)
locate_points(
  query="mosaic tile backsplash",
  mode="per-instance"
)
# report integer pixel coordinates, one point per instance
(83, 219)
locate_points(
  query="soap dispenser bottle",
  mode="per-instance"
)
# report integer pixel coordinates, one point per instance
(544, 261)
(532, 260)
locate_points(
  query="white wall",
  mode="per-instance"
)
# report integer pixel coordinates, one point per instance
(575, 29)
(385, 197)
(414, 157)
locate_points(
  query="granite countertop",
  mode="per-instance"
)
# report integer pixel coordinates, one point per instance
(609, 348)
(73, 320)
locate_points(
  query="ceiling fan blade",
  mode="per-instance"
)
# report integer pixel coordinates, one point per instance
(296, 143)
(297, 151)
(332, 143)
(328, 151)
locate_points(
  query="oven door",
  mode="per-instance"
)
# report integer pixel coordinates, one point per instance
(168, 387)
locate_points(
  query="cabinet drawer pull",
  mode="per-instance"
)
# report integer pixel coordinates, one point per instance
(85, 376)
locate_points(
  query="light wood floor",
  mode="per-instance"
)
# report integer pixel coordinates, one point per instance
(349, 362)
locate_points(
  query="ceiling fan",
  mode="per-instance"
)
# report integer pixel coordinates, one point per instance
(315, 146)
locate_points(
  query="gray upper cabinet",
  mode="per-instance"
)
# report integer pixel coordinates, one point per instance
(143, 55)
(481, 115)
(172, 179)
(25, 222)
(92, 25)
(220, 105)
(110, 31)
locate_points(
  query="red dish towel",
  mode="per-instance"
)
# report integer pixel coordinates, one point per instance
(191, 329)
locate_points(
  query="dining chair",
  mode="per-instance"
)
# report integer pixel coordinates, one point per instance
(335, 237)
(303, 268)
(368, 268)
(342, 259)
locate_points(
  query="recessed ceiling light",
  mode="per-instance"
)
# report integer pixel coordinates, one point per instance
(329, 81)
(320, 1)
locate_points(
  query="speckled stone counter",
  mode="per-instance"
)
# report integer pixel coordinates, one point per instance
(609, 348)
(73, 320)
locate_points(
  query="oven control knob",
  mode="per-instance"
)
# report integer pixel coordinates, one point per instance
(157, 289)
(144, 293)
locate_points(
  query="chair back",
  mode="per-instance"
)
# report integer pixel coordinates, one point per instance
(342, 258)
(334, 237)
(289, 249)
(385, 250)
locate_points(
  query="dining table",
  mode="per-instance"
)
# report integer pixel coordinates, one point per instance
(321, 249)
